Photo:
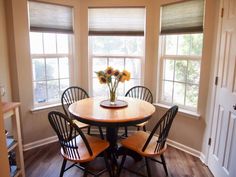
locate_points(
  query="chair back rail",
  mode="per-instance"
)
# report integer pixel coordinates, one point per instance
(140, 92)
(162, 128)
(68, 133)
(71, 95)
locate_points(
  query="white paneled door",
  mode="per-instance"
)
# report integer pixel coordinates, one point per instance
(222, 157)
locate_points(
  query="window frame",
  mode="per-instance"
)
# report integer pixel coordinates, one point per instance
(56, 55)
(91, 56)
(162, 57)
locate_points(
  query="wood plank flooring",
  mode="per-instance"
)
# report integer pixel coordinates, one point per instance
(46, 161)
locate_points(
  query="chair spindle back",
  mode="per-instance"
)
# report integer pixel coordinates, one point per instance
(68, 134)
(71, 95)
(140, 92)
(162, 128)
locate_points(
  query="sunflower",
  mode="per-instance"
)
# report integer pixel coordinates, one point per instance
(116, 73)
(109, 71)
(122, 79)
(125, 76)
(102, 80)
(100, 73)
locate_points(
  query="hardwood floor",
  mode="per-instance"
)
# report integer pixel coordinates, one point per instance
(46, 161)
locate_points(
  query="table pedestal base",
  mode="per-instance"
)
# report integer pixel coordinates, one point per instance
(114, 151)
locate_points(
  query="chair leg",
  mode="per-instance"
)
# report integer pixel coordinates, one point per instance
(85, 174)
(126, 131)
(138, 128)
(63, 167)
(89, 130)
(164, 164)
(108, 165)
(121, 165)
(101, 133)
(144, 128)
(148, 168)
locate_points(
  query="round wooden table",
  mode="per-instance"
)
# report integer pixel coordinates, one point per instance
(90, 112)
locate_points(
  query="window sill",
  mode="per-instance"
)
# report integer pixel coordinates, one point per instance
(41, 108)
(182, 112)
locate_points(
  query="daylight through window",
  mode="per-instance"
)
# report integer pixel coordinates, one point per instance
(50, 55)
(181, 61)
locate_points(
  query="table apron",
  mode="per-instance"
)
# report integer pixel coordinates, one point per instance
(113, 124)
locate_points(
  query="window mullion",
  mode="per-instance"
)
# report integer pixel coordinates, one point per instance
(58, 67)
(186, 77)
(59, 81)
(46, 79)
(173, 88)
(182, 57)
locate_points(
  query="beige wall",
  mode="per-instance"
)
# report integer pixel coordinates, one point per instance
(4, 58)
(187, 131)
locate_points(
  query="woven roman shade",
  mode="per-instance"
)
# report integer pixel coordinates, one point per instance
(117, 21)
(50, 18)
(182, 17)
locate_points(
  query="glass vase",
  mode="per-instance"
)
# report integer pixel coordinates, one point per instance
(112, 97)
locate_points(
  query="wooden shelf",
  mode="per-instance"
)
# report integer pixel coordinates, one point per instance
(11, 111)
(15, 170)
(17, 174)
(8, 106)
(12, 147)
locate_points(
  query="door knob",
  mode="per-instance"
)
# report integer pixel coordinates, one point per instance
(234, 106)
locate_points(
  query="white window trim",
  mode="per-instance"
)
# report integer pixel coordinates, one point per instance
(190, 112)
(45, 107)
(182, 112)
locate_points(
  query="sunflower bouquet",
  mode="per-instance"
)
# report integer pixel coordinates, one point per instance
(112, 77)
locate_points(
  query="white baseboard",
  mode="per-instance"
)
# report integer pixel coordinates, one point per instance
(184, 148)
(172, 143)
(48, 140)
(39, 143)
(203, 158)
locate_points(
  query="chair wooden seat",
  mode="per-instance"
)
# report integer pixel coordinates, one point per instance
(136, 142)
(141, 124)
(97, 146)
(80, 124)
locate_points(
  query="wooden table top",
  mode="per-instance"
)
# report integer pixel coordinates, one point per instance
(89, 111)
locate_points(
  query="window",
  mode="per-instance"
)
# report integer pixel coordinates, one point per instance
(119, 44)
(51, 51)
(181, 53)
(50, 65)
(119, 52)
(181, 63)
